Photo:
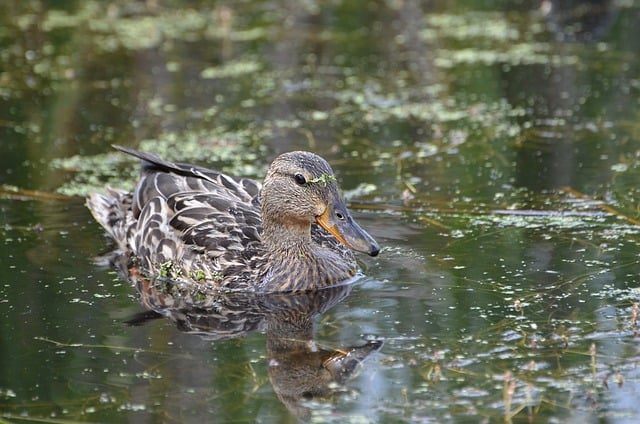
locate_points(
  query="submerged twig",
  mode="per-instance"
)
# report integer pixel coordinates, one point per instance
(110, 347)
(480, 212)
(601, 205)
(15, 193)
(35, 419)
(508, 391)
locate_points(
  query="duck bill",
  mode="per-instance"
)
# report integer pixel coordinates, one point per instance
(339, 223)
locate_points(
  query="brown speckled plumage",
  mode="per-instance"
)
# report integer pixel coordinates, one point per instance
(291, 233)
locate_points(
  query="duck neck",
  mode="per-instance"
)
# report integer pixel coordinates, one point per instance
(290, 240)
(296, 262)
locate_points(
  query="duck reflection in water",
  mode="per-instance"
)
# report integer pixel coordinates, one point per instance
(298, 369)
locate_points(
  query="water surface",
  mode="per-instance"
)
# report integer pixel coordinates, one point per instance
(490, 148)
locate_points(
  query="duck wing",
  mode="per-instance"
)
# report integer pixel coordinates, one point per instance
(217, 225)
(199, 217)
(164, 180)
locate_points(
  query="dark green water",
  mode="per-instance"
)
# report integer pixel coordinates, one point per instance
(492, 148)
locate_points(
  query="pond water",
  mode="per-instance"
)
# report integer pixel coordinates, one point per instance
(492, 149)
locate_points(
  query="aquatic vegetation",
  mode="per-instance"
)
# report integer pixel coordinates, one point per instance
(475, 26)
(231, 69)
(91, 173)
(323, 179)
(517, 54)
(496, 39)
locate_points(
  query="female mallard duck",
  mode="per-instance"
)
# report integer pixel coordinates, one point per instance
(291, 233)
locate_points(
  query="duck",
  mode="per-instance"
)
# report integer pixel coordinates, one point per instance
(292, 232)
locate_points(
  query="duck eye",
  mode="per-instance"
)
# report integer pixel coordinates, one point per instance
(300, 179)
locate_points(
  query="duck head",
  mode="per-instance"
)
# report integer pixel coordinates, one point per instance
(300, 189)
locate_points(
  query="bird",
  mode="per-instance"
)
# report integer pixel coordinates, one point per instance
(292, 232)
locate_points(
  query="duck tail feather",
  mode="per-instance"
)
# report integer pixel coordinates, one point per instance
(112, 210)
